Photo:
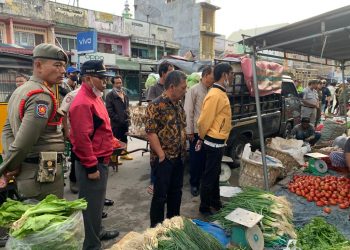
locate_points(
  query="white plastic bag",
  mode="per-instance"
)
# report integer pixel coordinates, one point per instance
(292, 147)
(255, 157)
(68, 235)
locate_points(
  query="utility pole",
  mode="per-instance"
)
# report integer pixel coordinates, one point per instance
(164, 48)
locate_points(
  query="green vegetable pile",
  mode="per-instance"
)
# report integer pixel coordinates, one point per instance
(151, 80)
(193, 79)
(25, 219)
(12, 210)
(276, 224)
(189, 237)
(318, 234)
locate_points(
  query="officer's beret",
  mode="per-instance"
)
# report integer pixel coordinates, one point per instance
(50, 51)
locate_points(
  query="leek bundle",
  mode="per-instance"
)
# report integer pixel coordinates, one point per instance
(276, 224)
(189, 237)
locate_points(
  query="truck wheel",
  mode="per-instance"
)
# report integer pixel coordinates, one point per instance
(287, 130)
(237, 149)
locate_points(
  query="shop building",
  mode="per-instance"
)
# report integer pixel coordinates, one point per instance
(193, 23)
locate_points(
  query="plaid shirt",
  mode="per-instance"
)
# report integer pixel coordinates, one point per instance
(168, 121)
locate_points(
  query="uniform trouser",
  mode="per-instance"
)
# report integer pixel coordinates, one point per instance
(210, 189)
(310, 113)
(342, 109)
(29, 188)
(167, 189)
(197, 163)
(94, 192)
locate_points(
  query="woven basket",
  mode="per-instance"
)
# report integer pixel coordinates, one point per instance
(287, 160)
(252, 175)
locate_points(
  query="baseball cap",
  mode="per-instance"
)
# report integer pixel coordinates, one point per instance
(50, 51)
(72, 70)
(95, 67)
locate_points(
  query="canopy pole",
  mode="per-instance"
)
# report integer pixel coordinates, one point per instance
(342, 67)
(258, 112)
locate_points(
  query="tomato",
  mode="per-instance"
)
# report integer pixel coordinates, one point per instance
(343, 193)
(327, 210)
(320, 203)
(342, 206)
(309, 198)
(332, 201)
(298, 192)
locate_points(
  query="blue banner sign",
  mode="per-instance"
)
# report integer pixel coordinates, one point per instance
(87, 42)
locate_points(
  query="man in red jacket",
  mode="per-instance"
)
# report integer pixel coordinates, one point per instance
(91, 137)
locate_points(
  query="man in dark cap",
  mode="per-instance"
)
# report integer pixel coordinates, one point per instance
(91, 136)
(70, 83)
(31, 140)
(305, 131)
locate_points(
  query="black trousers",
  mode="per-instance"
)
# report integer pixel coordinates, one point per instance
(73, 158)
(120, 133)
(197, 163)
(167, 189)
(210, 189)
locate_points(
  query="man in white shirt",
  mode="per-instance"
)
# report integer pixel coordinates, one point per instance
(193, 106)
(310, 102)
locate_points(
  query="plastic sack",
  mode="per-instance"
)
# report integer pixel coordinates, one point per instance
(292, 147)
(152, 79)
(269, 76)
(256, 157)
(332, 129)
(67, 235)
(214, 230)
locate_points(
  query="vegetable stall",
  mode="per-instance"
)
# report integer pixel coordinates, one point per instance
(52, 223)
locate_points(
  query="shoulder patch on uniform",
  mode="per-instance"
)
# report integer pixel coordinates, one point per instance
(42, 109)
(68, 99)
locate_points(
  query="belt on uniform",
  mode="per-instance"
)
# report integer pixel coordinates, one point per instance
(103, 159)
(36, 160)
(213, 145)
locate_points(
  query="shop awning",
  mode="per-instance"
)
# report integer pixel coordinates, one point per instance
(127, 65)
(12, 60)
(12, 48)
(325, 35)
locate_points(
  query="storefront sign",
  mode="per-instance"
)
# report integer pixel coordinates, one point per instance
(87, 42)
(108, 59)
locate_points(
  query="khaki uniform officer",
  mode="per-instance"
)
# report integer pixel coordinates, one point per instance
(30, 137)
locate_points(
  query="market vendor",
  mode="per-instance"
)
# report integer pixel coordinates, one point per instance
(305, 131)
(309, 102)
(341, 158)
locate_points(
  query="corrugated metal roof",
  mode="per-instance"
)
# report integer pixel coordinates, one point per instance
(326, 35)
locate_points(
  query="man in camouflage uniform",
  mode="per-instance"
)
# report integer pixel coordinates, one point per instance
(31, 128)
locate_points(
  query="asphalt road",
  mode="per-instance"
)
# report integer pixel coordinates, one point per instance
(128, 188)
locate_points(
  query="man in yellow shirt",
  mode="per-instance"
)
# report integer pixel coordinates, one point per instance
(214, 126)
